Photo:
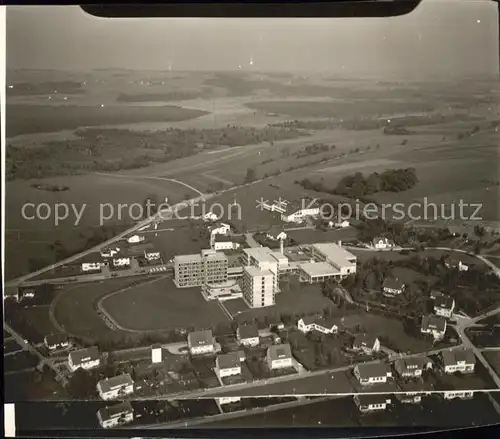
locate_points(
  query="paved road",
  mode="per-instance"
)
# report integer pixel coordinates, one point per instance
(43, 360)
(251, 241)
(219, 391)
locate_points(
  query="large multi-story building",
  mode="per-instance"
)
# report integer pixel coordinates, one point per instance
(208, 267)
(335, 255)
(258, 287)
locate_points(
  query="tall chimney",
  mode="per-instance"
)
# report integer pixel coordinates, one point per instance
(339, 243)
(282, 247)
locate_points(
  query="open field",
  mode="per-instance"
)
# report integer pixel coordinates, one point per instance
(74, 308)
(306, 299)
(26, 119)
(33, 322)
(493, 358)
(160, 306)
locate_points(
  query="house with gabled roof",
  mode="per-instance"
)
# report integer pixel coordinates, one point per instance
(458, 360)
(88, 358)
(248, 335)
(115, 415)
(311, 323)
(434, 325)
(366, 343)
(412, 367)
(393, 286)
(444, 306)
(201, 342)
(56, 342)
(279, 356)
(372, 373)
(371, 402)
(228, 364)
(115, 387)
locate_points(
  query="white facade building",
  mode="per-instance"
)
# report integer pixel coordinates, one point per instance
(115, 387)
(375, 373)
(135, 239)
(458, 394)
(228, 399)
(156, 353)
(201, 342)
(116, 415)
(308, 324)
(91, 266)
(87, 358)
(444, 306)
(458, 360)
(258, 287)
(336, 256)
(371, 403)
(248, 335)
(279, 357)
(381, 243)
(228, 364)
(121, 262)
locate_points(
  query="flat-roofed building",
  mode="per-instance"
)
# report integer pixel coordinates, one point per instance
(258, 287)
(208, 267)
(335, 255)
(317, 272)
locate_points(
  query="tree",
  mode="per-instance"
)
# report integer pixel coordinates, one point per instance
(82, 384)
(251, 175)
(150, 205)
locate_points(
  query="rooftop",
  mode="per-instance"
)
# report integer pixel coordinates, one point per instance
(372, 370)
(261, 254)
(393, 283)
(445, 302)
(370, 398)
(87, 354)
(433, 322)
(254, 271)
(335, 254)
(200, 338)
(115, 411)
(229, 360)
(411, 363)
(113, 383)
(248, 331)
(318, 269)
(56, 339)
(364, 340)
(279, 352)
(453, 357)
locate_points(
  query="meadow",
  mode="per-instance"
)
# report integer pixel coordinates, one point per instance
(161, 306)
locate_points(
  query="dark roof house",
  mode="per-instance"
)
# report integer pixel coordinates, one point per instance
(200, 338)
(228, 361)
(247, 331)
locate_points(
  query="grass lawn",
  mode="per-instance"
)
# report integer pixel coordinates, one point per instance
(161, 305)
(37, 318)
(308, 299)
(493, 358)
(74, 308)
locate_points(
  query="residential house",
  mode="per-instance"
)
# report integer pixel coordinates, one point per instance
(370, 403)
(444, 306)
(115, 387)
(152, 255)
(210, 216)
(115, 415)
(201, 342)
(275, 323)
(27, 293)
(458, 394)
(308, 324)
(223, 242)
(372, 373)
(220, 229)
(91, 266)
(109, 252)
(434, 294)
(458, 360)
(381, 243)
(56, 342)
(11, 293)
(339, 225)
(276, 234)
(366, 343)
(228, 364)
(248, 335)
(434, 325)
(412, 367)
(297, 212)
(462, 267)
(393, 287)
(121, 262)
(136, 239)
(279, 356)
(87, 358)
(228, 399)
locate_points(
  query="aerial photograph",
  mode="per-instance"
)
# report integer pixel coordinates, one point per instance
(231, 223)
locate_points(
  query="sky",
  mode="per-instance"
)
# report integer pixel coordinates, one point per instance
(440, 38)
